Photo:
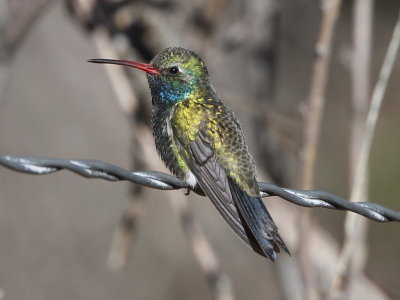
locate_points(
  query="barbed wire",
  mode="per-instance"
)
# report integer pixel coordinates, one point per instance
(163, 181)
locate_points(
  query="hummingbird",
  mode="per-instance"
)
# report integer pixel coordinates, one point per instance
(200, 140)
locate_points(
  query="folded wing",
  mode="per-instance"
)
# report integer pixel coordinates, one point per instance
(246, 215)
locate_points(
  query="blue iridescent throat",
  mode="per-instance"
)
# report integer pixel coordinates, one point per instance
(172, 92)
(165, 92)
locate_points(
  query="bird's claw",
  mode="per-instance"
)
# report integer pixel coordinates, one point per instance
(188, 190)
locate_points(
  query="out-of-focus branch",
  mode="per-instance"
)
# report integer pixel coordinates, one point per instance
(361, 61)
(315, 105)
(128, 102)
(360, 75)
(16, 18)
(126, 98)
(219, 282)
(312, 116)
(352, 223)
(373, 113)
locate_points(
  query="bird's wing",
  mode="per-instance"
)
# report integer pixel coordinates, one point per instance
(213, 180)
(246, 215)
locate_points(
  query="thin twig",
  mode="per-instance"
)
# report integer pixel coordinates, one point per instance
(311, 132)
(351, 222)
(123, 235)
(315, 105)
(360, 75)
(219, 283)
(16, 19)
(128, 102)
(126, 97)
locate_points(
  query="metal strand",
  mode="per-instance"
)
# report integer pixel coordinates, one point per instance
(162, 181)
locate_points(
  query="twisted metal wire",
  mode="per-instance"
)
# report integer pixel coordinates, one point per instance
(162, 181)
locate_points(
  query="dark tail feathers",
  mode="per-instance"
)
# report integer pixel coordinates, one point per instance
(258, 224)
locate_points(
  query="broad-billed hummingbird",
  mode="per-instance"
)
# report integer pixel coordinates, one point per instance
(200, 140)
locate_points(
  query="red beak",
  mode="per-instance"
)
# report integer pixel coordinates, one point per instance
(144, 67)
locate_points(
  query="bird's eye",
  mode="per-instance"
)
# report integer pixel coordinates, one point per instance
(173, 70)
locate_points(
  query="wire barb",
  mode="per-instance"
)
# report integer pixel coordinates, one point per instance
(162, 181)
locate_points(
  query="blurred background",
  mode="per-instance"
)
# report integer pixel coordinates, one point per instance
(56, 231)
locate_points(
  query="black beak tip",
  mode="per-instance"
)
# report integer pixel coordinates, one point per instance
(93, 60)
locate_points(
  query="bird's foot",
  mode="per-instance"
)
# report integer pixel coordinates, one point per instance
(188, 190)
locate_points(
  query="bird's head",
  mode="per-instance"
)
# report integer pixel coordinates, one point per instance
(174, 75)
